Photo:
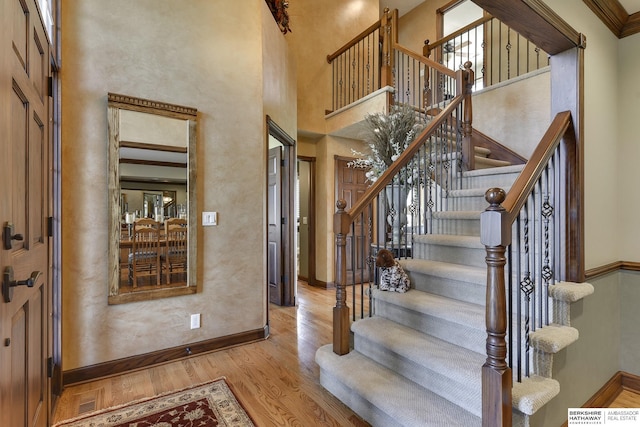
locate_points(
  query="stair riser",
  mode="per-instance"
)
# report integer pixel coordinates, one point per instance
(488, 181)
(467, 336)
(474, 293)
(457, 255)
(353, 400)
(462, 227)
(467, 395)
(469, 203)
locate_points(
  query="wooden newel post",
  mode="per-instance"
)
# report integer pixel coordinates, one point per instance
(389, 36)
(466, 80)
(496, 375)
(341, 223)
(426, 49)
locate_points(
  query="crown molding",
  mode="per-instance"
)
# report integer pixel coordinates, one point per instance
(615, 17)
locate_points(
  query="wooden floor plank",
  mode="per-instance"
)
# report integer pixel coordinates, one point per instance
(277, 380)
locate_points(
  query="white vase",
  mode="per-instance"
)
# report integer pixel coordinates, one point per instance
(396, 197)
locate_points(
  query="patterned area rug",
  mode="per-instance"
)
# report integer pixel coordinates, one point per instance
(206, 405)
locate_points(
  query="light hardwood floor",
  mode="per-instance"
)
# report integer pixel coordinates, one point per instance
(626, 399)
(276, 380)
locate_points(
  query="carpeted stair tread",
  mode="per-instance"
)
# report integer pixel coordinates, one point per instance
(570, 291)
(471, 242)
(533, 393)
(494, 171)
(454, 311)
(402, 401)
(481, 151)
(442, 367)
(433, 353)
(486, 162)
(460, 272)
(553, 338)
(450, 248)
(457, 215)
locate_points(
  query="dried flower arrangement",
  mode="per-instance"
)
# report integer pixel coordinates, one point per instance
(387, 136)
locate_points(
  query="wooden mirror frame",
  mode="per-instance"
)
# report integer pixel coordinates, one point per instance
(116, 103)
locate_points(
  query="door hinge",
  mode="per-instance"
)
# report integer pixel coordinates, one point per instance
(50, 367)
(282, 163)
(284, 221)
(50, 226)
(50, 86)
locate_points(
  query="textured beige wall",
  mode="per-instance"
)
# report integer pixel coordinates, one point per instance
(629, 147)
(203, 54)
(516, 114)
(316, 32)
(319, 29)
(419, 24)
(601, 136)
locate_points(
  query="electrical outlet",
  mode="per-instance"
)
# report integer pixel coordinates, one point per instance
(195, 321)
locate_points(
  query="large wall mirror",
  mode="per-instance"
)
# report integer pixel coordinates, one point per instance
(152, 200)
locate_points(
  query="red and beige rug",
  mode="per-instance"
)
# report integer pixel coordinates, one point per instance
(206, 405)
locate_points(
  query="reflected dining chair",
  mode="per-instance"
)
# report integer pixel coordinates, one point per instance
(144, 259)
(174, 259)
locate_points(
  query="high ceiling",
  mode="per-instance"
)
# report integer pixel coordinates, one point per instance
(404, 6)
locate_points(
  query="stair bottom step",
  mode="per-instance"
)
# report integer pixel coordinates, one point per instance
(382, 397)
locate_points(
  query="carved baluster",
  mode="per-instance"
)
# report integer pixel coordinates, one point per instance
(496, 374)
(465, 81)
(341, 223)
(389, 36)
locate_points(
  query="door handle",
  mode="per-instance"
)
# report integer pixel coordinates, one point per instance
(8, 283)
(8, 236)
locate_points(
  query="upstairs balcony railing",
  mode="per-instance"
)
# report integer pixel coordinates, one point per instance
(497, 52)
(373, 60)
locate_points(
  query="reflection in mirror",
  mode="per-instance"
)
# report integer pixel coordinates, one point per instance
(152, 199)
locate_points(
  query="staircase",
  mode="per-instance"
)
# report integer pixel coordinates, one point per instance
(418, 360)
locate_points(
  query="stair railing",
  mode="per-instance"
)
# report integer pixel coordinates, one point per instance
(532, 231)
(498, 52)
(357, 67)
(403, 201)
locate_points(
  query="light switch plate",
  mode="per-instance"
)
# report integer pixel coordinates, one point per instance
(209, 218)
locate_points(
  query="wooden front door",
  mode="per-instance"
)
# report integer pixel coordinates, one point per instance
(25, 200)
(351, 184)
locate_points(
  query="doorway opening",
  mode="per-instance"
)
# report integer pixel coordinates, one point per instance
(305, 210)
(281, 216)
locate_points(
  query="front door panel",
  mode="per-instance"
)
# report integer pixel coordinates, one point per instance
(25, 171)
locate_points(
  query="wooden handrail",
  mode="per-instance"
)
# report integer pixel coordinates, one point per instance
(353, 41)
(532, 171)
(428, 47)
(386, 177)
(426, 61)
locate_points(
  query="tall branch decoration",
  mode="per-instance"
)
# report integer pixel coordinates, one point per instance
(278, 9)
